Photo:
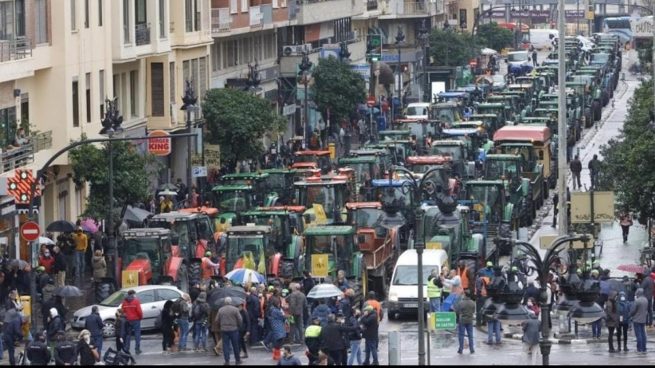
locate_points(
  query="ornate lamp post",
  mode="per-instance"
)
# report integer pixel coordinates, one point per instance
(423, 37)
(305, 66)
(400, 38)
(111, 124)
(253, 80)
(189, 103)
(344, 54)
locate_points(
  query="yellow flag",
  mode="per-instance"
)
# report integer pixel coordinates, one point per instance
(248, 261)
(261, 267)
(319, 212)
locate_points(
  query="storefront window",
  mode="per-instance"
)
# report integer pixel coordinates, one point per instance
(7, 235)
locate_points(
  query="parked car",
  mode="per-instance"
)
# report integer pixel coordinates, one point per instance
(152, 299)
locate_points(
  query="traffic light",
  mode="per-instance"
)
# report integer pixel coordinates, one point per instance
(189, 98)
(305, 64)
(373, 47)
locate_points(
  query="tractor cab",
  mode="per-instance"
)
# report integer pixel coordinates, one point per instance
(456, 150)
(279, 184)
(324, 198)
(146, 251)
(419, 130)
(286, 223)
(497, 109)
(320, 158)
(396, 150)
(447, 112)
(441, 177)
(380, 154)
(333, 248)
(392, 135)
(477, 144)
(192, 233)
(249, 247)
(365, 168)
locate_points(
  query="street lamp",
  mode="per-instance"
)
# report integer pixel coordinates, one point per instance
(111, 124)
(189, 101)
(584, 311)
(432, 189)
(400, 38)
(305, 66)
(423, 37)
(253, 80)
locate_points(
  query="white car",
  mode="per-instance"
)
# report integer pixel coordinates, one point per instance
(152, 298)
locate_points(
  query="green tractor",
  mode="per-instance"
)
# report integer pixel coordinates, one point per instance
(456, 150)
(397, 150)
(365, 169)
(279, 186)
(324, 197)
(392, 135)
(329, 249)
(497, 109)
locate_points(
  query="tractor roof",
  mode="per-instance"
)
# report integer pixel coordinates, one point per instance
(245, 176)
(175, 216)
(358, 205)
(447, 142)
(428, 160)
(297, 209)
(231, 187)
(146, 232)
(320, 182)
(329, 230)
(388, 183)
(460, 132)
(522, 133)
(491, 105)
(304, 165)
(395, 132)
(357, 160)
(484, 183)
(210, 211)
(312, 153)
(250, 229)
(279, 171)
(502, 157)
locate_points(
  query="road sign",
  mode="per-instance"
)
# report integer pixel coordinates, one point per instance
(199, 171)
(30, 231)
(581, 207)
(373, 47)
(159, 146)
(319, 265)
(445, 321)
(20, 186)
(370, 101)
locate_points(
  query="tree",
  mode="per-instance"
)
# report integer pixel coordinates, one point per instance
(627, 167)
(237, 121)
(337, 88)
(451, 48)
(494, 37)
(131, 176)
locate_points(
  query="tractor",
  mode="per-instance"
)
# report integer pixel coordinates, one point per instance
(279, 186)
(456, 150)
(320, 158)
(392, 135)
(477, 144)
(324, 198)
(420, 165)
(365, 168)
(241, 192)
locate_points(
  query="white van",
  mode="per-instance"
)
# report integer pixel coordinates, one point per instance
(417, 110)
(403, 289)
(540, 38)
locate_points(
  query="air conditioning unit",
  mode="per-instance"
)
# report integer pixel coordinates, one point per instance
(294, 50)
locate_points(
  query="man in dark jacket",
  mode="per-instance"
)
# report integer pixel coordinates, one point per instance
(59, 267)
(313, 341)
(11, 333)
(465, 310)
(639, 314)
(55, 325)
(307, 282)
(297, 307)
(65, 352)
(94, 324)
(37, 351)
(576, 169)
(244, 331)
(253, 308)
(369, 322)
(647, 285)
(333, 342)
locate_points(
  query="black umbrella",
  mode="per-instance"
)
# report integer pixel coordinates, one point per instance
(61, 226)
(136, 214)
(216, 296)
(68, 291)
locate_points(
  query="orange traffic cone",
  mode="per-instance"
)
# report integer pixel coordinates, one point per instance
(276, 354)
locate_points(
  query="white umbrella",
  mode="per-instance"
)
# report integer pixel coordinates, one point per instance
(488, 51)
(167, 192)
(44, 240)
(321, 291)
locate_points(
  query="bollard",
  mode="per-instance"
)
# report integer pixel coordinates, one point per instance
(394, 348)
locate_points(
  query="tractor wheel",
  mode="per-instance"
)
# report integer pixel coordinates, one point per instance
(525, 214)
(195, 273)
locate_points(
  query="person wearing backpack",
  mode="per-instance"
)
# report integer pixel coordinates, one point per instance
(623, 306)
(200, 313)
(182, 310)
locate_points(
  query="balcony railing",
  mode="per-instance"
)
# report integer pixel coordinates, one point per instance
(13, 158)
(15, 49)
(142, 34)
(412, 7)
(221, 20)
(372, 5)
(42, 141)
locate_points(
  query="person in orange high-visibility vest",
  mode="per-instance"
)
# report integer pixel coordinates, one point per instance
(208, 267)
(465, 275)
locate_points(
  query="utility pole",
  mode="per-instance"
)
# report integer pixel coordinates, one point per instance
(189, 102)
(561, 123)
(305, 66)
(400, 37)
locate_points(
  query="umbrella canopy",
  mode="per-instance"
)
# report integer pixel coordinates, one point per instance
(167, 186)
(61, 226)
(136, 214)
(215, 295)
(488, 51)
(19, 264)
(167, 192)
(221, 302)
(243, 276)
(321, 291)
(68, 291)
(44, 240)
(89, 225)
(631, 268)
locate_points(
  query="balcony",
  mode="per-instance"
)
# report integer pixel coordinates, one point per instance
(371, 5)
(256, 17)
(314, 11)
(408, 9)
(15, 49)
(412, 8)
(14, 158)
(142, 34)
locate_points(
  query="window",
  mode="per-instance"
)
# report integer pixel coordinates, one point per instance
(171, 80)
(230, 56)
(167, 294)
(99, 13)
(188, 14)
(195, 70)
(234, 7)
(244, 6)
(73, 15)
(157, 89)
(20, 18)
(197, 15)
(134, 90)
(202, 77)
(76, 105)
(162, 19)
(41, 22)
(126, 21)
(216, 56)
(88, 97)
(147, 296)
(86, 13)
(7, 122)
(462, 18)
(6, 20)
(101, 94)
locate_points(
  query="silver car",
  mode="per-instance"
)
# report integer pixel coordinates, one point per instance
(152, 298)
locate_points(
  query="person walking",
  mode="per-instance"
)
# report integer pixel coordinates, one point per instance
(133, 315)
(244, 331)
(333, 339)
(370, 325)
(55, 325)
(200, 314)
(254, 314)
(276, 324)
(99, 265)
(534, 58)
(647, 284)
(639, 316)
(59, 267)
(612, 320)
(297, 307)
(182, 310)
(11, 333)
(594, 169)
(94, 325)
(435, 286)
(355, 338)
(576, 168)
(85, 350)
(81, 244)
(625, 221)
(313, 341)
(465, 310)
(229, 321)
(167, 320)
(531, 329)
(623, 308)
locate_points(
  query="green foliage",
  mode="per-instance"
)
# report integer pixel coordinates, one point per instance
(237, 121)
(451, 48)
(132, 171)
(494, 37)
(337, 88)
(628, 167)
